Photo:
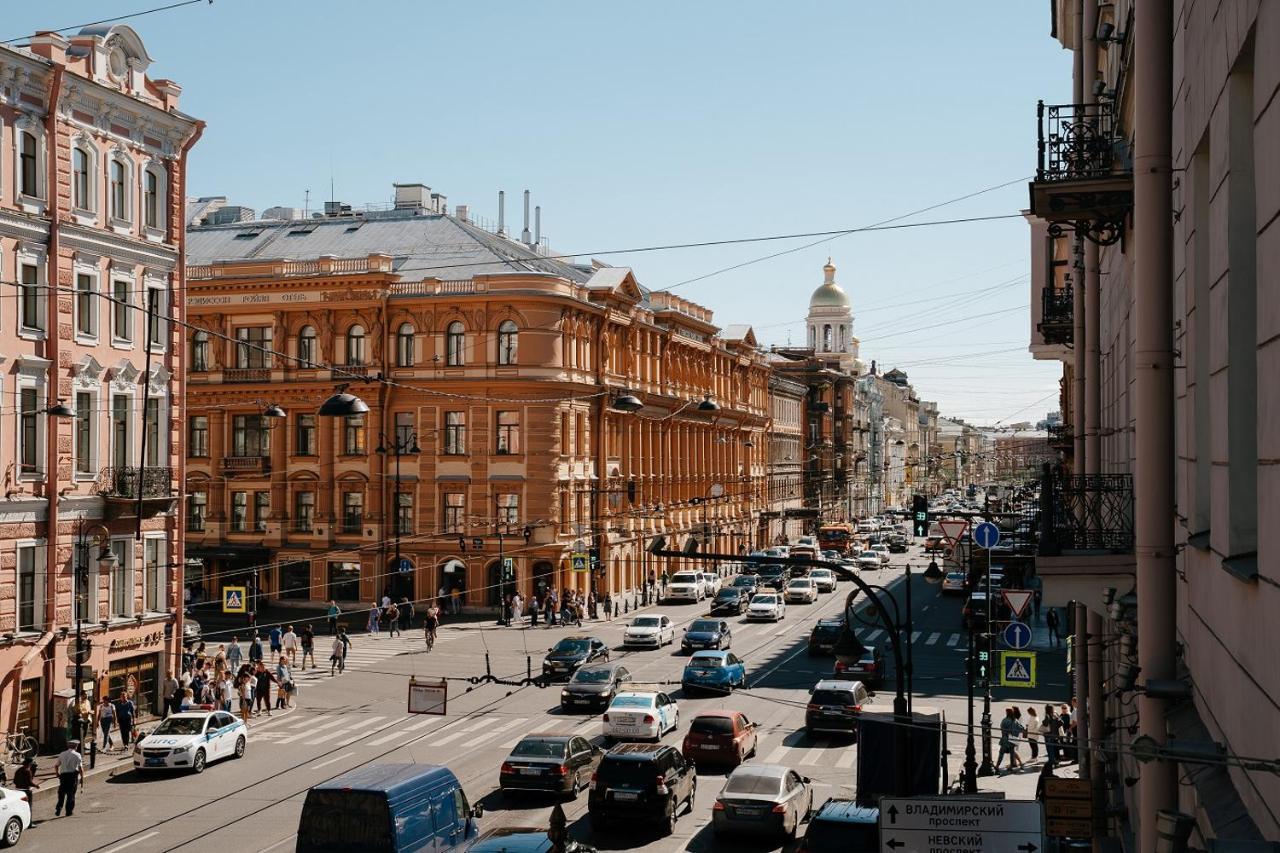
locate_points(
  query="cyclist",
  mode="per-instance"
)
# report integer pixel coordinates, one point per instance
(430, 622)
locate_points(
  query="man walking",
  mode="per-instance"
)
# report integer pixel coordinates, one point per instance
(255, 649)
(289, 643)
(1052, 731)
(338, 653)
(70, 766)
(125, 712)
(1051, 620)
(334, 612)
(276, 639)
(234, 655)
(308, 643)
(392, 611)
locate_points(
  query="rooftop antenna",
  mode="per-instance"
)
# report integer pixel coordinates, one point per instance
(502, 213)
(306, 204)
(524, 233)
(537, 225)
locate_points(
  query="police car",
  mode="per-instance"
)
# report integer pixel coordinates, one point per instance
(190, 740)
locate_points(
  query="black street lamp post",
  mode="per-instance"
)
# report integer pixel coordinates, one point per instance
(399, 446)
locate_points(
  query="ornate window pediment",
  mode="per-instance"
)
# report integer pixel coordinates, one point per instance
(124, 376)
(88, 372)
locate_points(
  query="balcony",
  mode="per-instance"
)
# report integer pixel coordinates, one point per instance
(1062, 437)
(1086, 537)
(128, 490)
(246, 465)
(247, 374)
(1057, 314)
(1084, 177)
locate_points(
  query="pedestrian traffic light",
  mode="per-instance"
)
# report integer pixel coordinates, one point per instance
(920, 515)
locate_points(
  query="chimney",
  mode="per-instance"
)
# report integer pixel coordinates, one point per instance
(537, 225)
(51, 46)
(524, 233)
(412, 196)
(461, 212)
(502, 213)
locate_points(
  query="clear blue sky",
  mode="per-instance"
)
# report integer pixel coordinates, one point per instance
(663, 122)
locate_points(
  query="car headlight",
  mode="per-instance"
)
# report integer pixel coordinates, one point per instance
(564, 694)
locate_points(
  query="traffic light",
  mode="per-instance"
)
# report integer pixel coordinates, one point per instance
(920, 515)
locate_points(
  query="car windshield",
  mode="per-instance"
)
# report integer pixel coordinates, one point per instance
(645, 622)
(772, 570)
(831, 697)
(826, 630)
(699, 662)
(872, 554)
(537, 747)
(819, 573)
(751, 783)
(180, 726)
(592, 676)
(799, 582)
(726, 594)
(712, 726)
(765, 599)
(684, 577)
(744, 581)
(705, 625)
(633, 702)
(571, 647)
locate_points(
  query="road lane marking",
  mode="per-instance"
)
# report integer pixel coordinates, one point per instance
(955, 638)
(137, 840)
(915, 635)
(933, 638)
(815, 752)
(847, 757)
(362, 724)
(875, 633)
(449, 738)
(308, 732)
(777, 755)
(402, 730)
(331, 761)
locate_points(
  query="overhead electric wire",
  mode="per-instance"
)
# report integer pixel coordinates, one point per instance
(113, 20)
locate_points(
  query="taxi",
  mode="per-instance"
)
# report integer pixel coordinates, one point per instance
(190, 740)
(640, 715)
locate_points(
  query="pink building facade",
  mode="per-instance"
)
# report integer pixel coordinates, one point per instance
(92, 165)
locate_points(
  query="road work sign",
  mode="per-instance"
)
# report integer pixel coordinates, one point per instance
(960, 825)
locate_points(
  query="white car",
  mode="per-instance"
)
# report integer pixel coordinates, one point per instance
(15, 810)
(686, 586)
(868, 560)
(190, 740)
(710, 584)
(883, 551)
(640, 715)
(767, 605)
(824, 579)
(653, 630)
(802, 590)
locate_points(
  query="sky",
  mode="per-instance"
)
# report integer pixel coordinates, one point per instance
(659, 123)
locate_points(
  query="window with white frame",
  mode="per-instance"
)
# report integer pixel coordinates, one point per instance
(82, 183)
(404, 346)
(153, 212)
(155, 435)
(30, 592)
(198, 437)
(356, 354)
(30, 174)
(30, 432)
(253, 347)
(156, 326)
(119, 183)
(84, 568)
(86, 305)
(86, 436)
(154, 574)
(455, 345)
(122, 579)
(307, 346)
(200, 352)
(239, 512)
(122, 311)
(197, 510)
(508, 342)
(121, 430)
(30, 298)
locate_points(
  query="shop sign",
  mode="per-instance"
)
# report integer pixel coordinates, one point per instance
(127, 644)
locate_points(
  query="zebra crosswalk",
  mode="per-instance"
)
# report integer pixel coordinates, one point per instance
(366, 652)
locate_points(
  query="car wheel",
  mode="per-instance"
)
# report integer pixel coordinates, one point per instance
(669, 823)
(197, 763)
(12, 832)
(240, 744)
(693, 793)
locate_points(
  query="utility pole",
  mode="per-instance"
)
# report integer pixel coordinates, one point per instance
(988, 767)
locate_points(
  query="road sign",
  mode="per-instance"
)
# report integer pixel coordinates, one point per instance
(578, 561)
(404, 566)
(1017, 599)
(953, 528)
(428, 696)
(1017, 669)
(1017, 635)
(508, 568)
(986, 535)
(233, 599)
(1068, 808)
(960, 825)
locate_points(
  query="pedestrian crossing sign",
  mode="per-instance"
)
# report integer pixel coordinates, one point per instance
(1017, 669)
(233, 599)
(578, 561)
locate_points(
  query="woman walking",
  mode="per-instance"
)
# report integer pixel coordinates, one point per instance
(285, 679)
(1033, 732)
(246, 696)
(106, 720)
(374, 614)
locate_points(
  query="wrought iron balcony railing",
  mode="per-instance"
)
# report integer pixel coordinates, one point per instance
(246, 464)
(1057, 315)
(247, 374)
(1061, 436)
(132, 482)
(1084, 173)
(1089, 512)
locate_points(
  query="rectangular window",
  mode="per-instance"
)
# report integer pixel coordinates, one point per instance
(198, 437)
(304, 511)
(455, 433)
(118, 195)
(86, 316)
(86, 583)
(261, 510)
(28, 164)
(295, 580)
(155, 318)
(29, 433)
(84, 434)
(404, 513)
(344, 581)
(122, 579)
(508, 512)
(404, 431)
(305, 436)
(239, 512)
(121, 316)
(153, 577)
(352, 512)
(120, 431)
(80, 178)
(253, 345)
(508, 432)
(353, 435)
(30, 608)
(150, 199)
(30, 297)
(200, 352)
(197, 509)
(455, 512)
(151, 420)
(250, 436)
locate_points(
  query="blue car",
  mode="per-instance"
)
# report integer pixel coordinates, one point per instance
(714, 670)
(707, 634)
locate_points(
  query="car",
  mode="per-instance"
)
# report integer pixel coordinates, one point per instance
(731, 599)
(749, 583)
(868, 560)
(652, 629)
(974, 613)
(840, 825)
(883, 551)
(524, 839)
(953, 583)
(564, 658)
(802, 590)
(825, 579)
(641, 783)
(762, 798)
(714, 671)
(15, 808)
(897, 544)
(640, 715)
(706, 634)
(710, 583)
(830, 555)
(191, 631)
(190, 740)
(773, 577)
(834, 706)
(825, 633)
(594, 686)
(869, 668)
(720, 737)
(767, 605)
(560, 764)
(686, 586)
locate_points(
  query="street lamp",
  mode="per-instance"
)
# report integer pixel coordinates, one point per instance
(107, 560)
(343, 404)
(400, 446)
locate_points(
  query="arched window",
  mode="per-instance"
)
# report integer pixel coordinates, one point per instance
(455, 345)
(404, 346)
(119, 190)
(307, 346)
(826, 339)
(508, 342)
(355, 346)
(81, 180)
(200, 351)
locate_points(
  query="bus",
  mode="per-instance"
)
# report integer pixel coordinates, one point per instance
(835, 537)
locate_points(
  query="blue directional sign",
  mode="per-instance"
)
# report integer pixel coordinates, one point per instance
(404, 566)
(986, 535)
(1017, 635)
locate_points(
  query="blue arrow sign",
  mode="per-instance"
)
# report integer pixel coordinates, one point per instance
(986, 535)
(1017, 635)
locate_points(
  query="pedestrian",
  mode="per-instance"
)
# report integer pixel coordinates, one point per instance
(105, 721)
(1010, 730)
(24, 778)
(332, 618)
(276, 637)
(1068, 736)
(226, 692)
(534, 607)
(549, 609)
(220, 662)
(255, 649)
(70, 766)
(386, 599)
(430, 622)
(1033, 732)
(289, 643)
(285, 679)
(234, 655)
(406, 613)
(245, 692)
(126, 710)
(84, 718)
(338, 653)
(1036, 598)
(665, 580)
(188, 699)
(372, 625)
(455, 601)
(262, 679)
(393, 618)
(608, 606)
(1052, 727)
(308, 643)
(1046, 773)
(1051, 619)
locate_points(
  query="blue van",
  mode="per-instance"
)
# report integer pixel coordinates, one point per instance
(388, 808)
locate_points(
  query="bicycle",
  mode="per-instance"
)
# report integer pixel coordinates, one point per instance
(19, 746)
(430, 637)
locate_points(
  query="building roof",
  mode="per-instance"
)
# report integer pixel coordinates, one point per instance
(829, 295)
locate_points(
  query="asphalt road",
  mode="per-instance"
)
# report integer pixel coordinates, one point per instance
(359, 717)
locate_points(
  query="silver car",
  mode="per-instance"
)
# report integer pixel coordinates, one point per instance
(759, 798)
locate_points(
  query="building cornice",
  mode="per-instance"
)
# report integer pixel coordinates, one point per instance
(23, 227)
(99, 242)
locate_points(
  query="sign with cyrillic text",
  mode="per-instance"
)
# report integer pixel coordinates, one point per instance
(960, 825)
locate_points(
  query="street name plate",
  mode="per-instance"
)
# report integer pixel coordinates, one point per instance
(1059, 827)
(1068, 808)
(960, 825)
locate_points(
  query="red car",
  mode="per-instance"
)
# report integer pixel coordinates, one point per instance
(720, 737)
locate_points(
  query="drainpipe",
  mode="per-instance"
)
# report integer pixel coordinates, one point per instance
(1097, 701)
(1153, 390)
(1077, 279)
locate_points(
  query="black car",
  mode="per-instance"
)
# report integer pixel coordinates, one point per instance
(842, 826)
(593, 686)
(564, 658)
(524, 839)
(869, 669)
(561, 764)
(748, 583)
(641, 783)
(822, 639)
(773, 577)
(730, 599)
(707, 634)
(897, 544)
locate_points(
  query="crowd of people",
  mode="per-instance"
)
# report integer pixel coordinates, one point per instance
(1057, 728)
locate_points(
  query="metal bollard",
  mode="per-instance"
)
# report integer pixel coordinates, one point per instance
(93, 753)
